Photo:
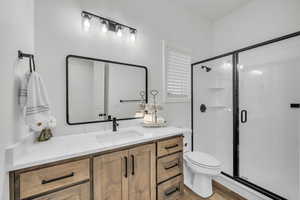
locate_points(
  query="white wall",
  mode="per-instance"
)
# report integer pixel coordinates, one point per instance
(258, 21)
(58, 33)
(16, 21)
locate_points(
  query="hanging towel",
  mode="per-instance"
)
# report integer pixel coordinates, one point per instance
(23, 90)
(37, 109)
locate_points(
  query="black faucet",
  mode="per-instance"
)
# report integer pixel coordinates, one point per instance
(115, 124)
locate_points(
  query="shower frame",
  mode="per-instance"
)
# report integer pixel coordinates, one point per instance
(236, 110)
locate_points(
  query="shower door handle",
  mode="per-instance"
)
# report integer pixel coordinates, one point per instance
(244, 116)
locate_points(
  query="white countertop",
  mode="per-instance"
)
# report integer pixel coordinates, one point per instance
(65, 147)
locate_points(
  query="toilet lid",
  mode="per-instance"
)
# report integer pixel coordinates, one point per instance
(204, 159)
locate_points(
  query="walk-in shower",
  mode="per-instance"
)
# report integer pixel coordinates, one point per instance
(252, 121)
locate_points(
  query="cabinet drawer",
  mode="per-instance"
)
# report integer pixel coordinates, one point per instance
(169, 146)
(171, 190)
(50, 178)
(78, 192)
(169, 166)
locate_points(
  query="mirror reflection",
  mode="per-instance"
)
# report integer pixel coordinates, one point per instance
(99, 90)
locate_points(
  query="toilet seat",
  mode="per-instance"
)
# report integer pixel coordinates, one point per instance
(203, 160)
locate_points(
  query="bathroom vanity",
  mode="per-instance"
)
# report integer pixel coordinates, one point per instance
(148, 167)
(131, 164)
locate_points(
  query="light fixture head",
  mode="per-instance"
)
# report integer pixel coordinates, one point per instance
(119, 30)
(86, 21)
(104, 26)
(132, 35)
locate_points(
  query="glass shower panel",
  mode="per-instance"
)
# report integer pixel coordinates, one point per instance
(269, 82)
(213, 128)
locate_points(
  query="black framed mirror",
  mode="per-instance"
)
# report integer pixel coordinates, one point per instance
(97, 90)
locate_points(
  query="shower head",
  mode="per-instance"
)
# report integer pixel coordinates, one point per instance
(208, 69)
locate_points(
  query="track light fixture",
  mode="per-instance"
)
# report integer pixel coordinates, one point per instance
(108, 25)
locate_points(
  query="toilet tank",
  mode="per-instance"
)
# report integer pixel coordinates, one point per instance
(187, 140)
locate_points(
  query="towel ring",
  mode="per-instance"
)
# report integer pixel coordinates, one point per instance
(22, 55)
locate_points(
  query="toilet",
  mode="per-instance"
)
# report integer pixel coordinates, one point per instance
(199, 169)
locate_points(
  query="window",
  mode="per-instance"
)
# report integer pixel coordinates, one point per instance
(177, 74)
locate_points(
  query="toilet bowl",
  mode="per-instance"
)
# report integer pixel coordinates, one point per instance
(199, 168)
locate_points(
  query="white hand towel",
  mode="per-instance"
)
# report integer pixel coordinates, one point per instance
(23, 89)
(37, 110)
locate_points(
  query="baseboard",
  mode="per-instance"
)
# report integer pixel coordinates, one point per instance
(239, 189)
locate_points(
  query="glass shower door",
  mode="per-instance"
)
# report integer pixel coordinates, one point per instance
(269, 127)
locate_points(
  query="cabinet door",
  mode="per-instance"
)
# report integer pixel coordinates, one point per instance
(142, 173)
(79, 192)
(110, 176)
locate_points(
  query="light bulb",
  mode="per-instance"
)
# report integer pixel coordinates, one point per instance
(119, 31)
(86, 22)
(132, 35)
(104, 26)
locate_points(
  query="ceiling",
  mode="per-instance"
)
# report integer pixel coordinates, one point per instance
(212, 9)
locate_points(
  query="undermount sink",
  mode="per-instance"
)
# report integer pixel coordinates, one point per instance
(119, 137)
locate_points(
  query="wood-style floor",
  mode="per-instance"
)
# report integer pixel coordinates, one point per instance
(220, 193)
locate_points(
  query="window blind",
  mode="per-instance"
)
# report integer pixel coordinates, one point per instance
(178, 79)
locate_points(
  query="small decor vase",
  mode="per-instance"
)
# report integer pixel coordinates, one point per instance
(45, 135)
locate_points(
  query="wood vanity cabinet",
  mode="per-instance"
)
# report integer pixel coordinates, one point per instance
(51, 178)
(170, 169)
(110, 173)
(78, 192)
(126, 175)
(59, 181)
(169, 166)
(151, 171)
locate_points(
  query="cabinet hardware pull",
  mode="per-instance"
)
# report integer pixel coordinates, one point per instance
(57, 179)
(171, 147)
(171, 191)
(126, 166)
(172, 166)
(132, 160)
